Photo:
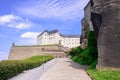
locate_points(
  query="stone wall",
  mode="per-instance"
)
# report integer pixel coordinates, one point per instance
(108, 33)
(85, 30)
(86, 25)
(23, 52)
(105, 18)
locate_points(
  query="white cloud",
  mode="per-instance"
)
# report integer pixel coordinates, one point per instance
(7, 18)
(28, 38)
(22, 25)
(30, 34)
(14, 21)
(62, 9)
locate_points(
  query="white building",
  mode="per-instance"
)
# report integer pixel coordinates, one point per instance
(55, 37)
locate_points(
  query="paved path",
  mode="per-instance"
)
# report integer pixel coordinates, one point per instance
(56, 69)
(65, 69)
(36, 73)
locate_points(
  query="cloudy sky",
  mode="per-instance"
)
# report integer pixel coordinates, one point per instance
(22, 20)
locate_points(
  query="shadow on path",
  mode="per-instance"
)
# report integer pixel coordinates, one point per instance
(76, 65)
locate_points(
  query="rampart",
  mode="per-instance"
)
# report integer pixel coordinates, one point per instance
(23, 52)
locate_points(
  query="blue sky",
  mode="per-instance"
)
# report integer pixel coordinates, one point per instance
(22, 20)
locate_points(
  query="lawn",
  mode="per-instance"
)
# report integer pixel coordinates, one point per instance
(39, 58)
(104, 74)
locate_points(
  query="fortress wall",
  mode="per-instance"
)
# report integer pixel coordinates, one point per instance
(23, 52)
(105, 17)
(19, 53)
(109, 35)
(84, 35)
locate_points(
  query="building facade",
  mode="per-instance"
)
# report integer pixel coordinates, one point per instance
(55, 37)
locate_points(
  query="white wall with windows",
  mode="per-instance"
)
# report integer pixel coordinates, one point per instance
(55, 37)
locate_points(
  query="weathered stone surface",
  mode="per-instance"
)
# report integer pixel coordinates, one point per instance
(105, 18)
(96, 21)
(87, 13)
(86, 25)
(23, 52)
(85, 30)
(109, 33)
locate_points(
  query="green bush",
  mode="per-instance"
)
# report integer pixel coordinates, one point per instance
(88, 55)
(11, 68)
(83, 58)
(92, 42)
(75, 51)
(93, 65)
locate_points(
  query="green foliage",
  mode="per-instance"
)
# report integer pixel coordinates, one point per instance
(39, 58)
(77, 59)
(104, 74)
(84, 58)
(76, 51)
(98, 74)
(11, 68)
(92, 42)
(93, 65)
(88, 55)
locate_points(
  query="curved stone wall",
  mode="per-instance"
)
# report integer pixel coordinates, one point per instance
(109, 33)
(23, 52)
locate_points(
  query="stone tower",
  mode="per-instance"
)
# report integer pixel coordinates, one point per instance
(105, 16)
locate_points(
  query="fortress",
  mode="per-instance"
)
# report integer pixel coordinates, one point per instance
(48, 43)
(55, 37)
(102, 16)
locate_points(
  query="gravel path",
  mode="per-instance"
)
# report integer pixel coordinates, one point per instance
(66, 69)
(36, 73)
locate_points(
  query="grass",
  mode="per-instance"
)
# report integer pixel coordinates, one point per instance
(39, 58)
(100, 74)
(104, 74)
(89, 56)
(11, 68)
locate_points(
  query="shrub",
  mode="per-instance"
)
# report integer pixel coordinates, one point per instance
(75, 51)
(90, 54)
(92, 42)
(93, 65)
(11, 68)
(83, 58)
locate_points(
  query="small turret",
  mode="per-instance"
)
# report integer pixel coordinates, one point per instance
(13, 44)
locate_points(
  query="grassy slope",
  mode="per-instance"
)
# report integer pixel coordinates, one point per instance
(89, 57)
(104, 74)
(11, 68)
(39, 58)
(101, 74)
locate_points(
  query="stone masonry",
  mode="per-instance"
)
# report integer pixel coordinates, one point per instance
(23, 52)
(85, 30)
(105, 18)
(108, 32)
